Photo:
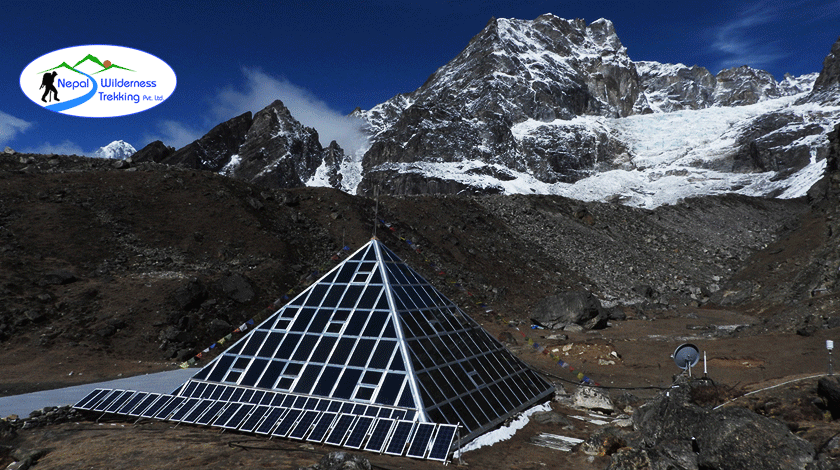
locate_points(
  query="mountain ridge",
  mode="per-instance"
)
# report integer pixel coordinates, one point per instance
(556, 106)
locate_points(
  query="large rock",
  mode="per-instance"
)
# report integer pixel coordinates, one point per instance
(828, 388)
(592, 398)
(190, 295)
(725, 438)
(736, 438)
(570, 308)
(237, 287)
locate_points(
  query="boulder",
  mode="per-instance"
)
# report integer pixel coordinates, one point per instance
(190, 295)
(570, 308)
(736, 438)
(237, 287)
(592, 398)
(723, 438)
(828, 388)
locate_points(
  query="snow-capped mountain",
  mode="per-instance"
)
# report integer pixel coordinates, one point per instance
(557, 106)
(118, 150)
(553, 106)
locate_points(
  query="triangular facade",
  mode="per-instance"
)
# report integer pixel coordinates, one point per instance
(373, 342)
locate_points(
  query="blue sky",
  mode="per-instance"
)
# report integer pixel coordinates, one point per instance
(323, 59)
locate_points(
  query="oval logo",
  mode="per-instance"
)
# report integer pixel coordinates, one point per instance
(97, 81)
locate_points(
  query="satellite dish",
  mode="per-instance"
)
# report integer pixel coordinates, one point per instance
(686, 356)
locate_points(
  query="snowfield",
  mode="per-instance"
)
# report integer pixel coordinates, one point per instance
(669, 157)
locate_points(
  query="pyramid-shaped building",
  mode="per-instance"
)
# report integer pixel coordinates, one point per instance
(370, 356)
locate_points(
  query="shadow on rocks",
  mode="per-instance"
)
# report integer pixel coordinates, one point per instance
(674, 432)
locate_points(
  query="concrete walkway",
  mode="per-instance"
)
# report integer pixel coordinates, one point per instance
(160, 382)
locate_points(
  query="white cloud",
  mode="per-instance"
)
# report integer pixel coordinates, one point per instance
(261, 89)
(751, 38)
(174, 134)
(10, 126)
(745, 39)
(64, 148)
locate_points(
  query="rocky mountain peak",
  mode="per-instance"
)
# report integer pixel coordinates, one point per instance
(827, 85)
(744, 85)
(271, 148)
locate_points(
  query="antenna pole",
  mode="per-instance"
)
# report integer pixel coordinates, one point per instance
(376, 211)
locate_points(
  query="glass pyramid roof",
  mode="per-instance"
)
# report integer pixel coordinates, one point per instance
(368, 353)
(373, 331)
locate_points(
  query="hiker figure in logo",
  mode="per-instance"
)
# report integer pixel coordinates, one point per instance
(47, 82)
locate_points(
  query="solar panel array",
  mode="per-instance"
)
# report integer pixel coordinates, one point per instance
(374, 331)
(371, 357)
(375, 429)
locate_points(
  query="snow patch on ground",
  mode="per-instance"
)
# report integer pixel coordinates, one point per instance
(504, 433)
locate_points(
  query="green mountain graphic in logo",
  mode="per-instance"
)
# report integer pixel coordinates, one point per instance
(107, 65)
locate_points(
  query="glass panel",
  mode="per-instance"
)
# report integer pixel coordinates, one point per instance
(332, 297)
(375, 278)
(347, 383)
(254, 343)
(319, 322)
(270, 346)
(369, 297)
(322, 351)
(305, 348)
(364, 393)
(342, 351)
(351, 296)
(272, 373)
(288, 345)
(391, 387)
(302, 320)
(327, 381)
(406, 399)
(371, 377)
(307, 378)
(389, 332)
(317, 294)
(384, 350)
(233, 376)
(397, 363)
(222, 366)
(362, 352)
(254, 372)
(292, 369)
(375, 323)
(346, 273)
(356, 323)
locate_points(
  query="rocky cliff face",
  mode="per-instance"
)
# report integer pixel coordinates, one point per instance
(512, 72)
(271, 148)
(827, 86)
